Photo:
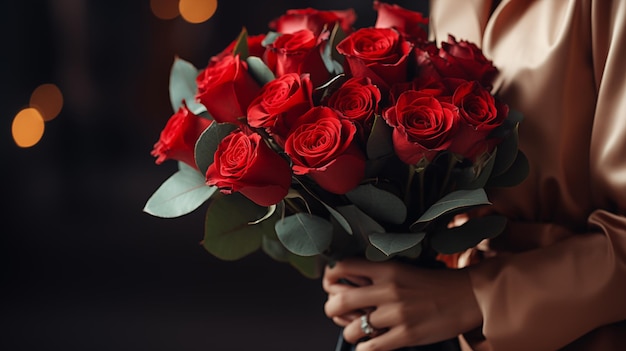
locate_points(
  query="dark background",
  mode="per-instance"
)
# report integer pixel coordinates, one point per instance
(81, 266)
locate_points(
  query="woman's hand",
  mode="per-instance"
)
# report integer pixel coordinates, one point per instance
(409, 306)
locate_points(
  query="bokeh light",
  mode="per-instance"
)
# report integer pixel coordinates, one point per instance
(197, 11)
(28, 127)
(48, 100)
(165, 9)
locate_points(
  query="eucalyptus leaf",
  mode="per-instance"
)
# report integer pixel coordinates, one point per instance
(455, 201)
(241, 45)
(270, 37)
(514, 175)
(393, 243)
(275, 249)
(207, 143)
(180, 194)
(468, 235)
(183, 86)
(304, 234)
(379, 143)
(228, 234)
(259, 70)
(309, 266)
(477, 175)
(507, 151)
(379, 204)
(372, 253)
(361, 224)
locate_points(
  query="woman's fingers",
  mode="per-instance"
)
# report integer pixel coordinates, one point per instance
(354, 299)
(389, 340)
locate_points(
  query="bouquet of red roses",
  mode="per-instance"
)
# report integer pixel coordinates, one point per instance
(318, 141)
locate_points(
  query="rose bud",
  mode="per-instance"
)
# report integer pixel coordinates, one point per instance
(479, 115)
(226, 89)
(178, 138)
(244, 163)
(408, 23)
(322, 146)
(313, 20)
(280, 102)
(377, 53)
(423, 126)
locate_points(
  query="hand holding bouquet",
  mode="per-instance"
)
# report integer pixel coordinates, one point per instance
(319, 141)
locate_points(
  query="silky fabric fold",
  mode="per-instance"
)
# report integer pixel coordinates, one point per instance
(556, 279)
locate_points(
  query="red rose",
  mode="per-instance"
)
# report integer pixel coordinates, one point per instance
(479, 115)
(244, 163)
(322, 146)
(464, 60)
(313, 20)
(178, 138)
(280, 102)
(377, 53)
(255, 47)
(423, 126)
(407, 22)
(226, 89)
(357, 100)
(298, 52)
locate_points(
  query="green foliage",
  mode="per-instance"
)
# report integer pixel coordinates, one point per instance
(229, 233)
(180, 194)
(206, 145)
(304, 234)
(468, 235)
(378, 204)
(183, 86)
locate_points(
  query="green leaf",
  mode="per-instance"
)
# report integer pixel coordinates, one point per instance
(207, 143)
(455, 201)
(180, 194)
(393, 243)
(336, 36)
(361, 224)
(379, 204)
(514, 175)
(183, 86)
(508, 148)
(468, 235)
(372, 253)
(270, 37)
(477, 175)
(259, 70)
(379, 143)
(304, 234)
(309, 266)
(228, 234)
(241, 46)
(274, 249)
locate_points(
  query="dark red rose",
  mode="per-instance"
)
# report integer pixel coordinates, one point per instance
(377, 53)
(178, 138)
(299, 53)
(464, 60)
(244, 163)
(322, 146)
(255, 48)
(280, 102)
(423, 126)
(313, 20)
(357, 100)
(226, 89)
(479, 115)
(408, 23)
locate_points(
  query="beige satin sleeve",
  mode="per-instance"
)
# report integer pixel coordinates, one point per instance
(560, 271)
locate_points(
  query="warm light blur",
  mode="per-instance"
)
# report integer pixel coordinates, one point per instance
(28, 127)
(165, 9)
(47, 98)
(197, 11)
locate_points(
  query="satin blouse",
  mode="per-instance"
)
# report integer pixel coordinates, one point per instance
(556, 279)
